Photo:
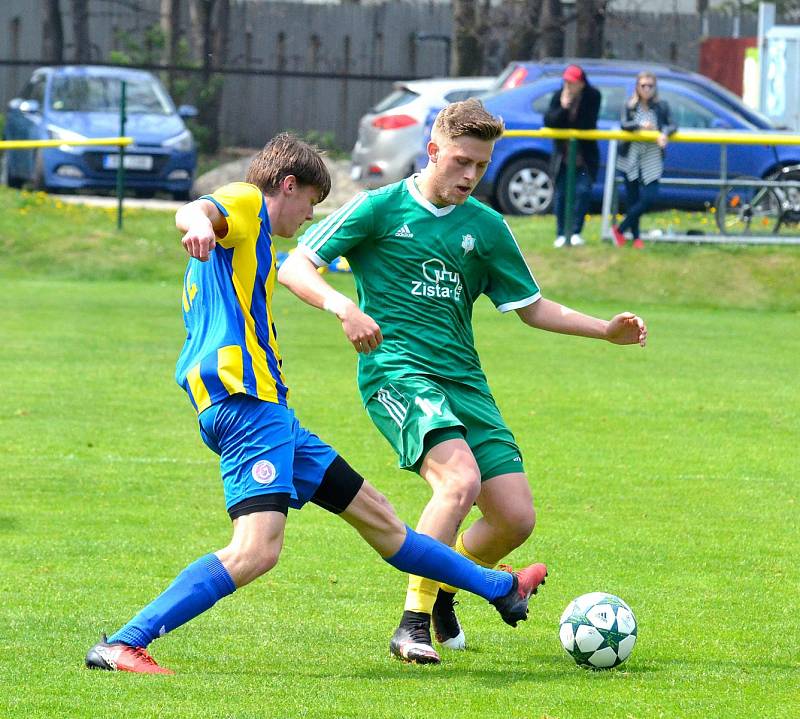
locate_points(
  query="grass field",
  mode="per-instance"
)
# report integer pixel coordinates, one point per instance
(666, 475)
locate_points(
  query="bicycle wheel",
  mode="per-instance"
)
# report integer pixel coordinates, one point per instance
(790, 196)
(746, 210)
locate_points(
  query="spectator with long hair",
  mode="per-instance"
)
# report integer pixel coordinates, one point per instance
(642, 163)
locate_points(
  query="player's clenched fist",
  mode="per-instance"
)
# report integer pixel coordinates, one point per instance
(199, 240)
(627, 329)
(361, 330)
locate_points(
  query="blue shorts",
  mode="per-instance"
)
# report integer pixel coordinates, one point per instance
(264, 450)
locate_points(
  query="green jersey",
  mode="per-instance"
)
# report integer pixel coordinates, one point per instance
(419, 269)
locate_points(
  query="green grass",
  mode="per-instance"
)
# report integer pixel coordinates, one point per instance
(665, 475)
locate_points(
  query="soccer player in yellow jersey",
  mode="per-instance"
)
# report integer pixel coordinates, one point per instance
(231, 368)
(422, 252)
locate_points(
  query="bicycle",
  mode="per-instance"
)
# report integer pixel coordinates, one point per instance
(747, 206)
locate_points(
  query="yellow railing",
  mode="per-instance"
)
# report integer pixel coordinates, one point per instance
(121, 142)
(30, 144)
(723, 138)
(715, 137)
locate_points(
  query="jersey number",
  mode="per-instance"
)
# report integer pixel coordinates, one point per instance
(426, 406)
(189, 291)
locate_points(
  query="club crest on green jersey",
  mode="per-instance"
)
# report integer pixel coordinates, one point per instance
(467, 243)
(438, 282)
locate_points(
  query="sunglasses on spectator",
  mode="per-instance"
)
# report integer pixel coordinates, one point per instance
(646, 85)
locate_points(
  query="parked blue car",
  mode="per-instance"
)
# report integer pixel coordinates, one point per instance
(519, 179)
(79, 102)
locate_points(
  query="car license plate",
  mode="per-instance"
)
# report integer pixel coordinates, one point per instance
(131, 162)
(355, 172)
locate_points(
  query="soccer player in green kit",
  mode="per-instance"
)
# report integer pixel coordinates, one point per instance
(422, 251)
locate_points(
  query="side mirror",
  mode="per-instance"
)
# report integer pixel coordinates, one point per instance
(29, 106)
(187, 111)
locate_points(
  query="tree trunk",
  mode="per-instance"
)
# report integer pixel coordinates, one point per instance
(524, 39)
(80, 31)
(467, 48)
(54, 33)
(219, 46)
(169, 22)
(210, 20)
(589, 30)
(551, 42)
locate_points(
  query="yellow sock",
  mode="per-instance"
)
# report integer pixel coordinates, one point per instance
(421, 594)
(461, 549)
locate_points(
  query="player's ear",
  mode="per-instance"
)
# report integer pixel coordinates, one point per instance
(433, 151)
(289, 184)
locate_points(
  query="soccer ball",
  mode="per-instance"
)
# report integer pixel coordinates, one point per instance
(598, 630)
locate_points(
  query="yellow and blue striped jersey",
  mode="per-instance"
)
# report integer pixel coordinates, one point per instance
(231, 345)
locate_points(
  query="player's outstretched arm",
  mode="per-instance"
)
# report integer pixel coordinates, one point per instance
(201, 223)
(299, 274)
(623, 329)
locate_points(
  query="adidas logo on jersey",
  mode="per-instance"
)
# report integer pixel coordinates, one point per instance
(404, 232)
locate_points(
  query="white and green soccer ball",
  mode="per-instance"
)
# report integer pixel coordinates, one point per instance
(598, 630)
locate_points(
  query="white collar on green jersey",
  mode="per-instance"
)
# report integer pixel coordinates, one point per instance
(411, 184)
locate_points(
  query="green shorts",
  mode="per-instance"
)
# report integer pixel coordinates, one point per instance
(407, 409)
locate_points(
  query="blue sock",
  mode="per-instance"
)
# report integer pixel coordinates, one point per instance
(197, 588)
(426, 557)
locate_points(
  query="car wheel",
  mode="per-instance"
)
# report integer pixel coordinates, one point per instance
(525, 187)
(38, 180)
(182, 196)
(5, 178)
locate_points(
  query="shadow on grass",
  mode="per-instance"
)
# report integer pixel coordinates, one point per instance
(8, 523)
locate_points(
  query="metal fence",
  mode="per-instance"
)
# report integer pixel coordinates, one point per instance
(320, 66)
(775, 196)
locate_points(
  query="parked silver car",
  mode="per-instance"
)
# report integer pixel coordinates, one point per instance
(391, 133)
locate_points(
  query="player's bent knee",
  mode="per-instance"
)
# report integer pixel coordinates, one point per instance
(371, 509)
(244, 564)
(460, 490)
(518, 525)
(265, 562)
(385, 513)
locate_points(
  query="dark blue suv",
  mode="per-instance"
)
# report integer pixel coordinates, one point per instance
(519, 180)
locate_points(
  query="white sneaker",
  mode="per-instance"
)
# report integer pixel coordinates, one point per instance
(576, 241)
(560, 241)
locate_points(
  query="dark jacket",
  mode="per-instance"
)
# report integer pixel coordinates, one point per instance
(663, 121)
(585, 119)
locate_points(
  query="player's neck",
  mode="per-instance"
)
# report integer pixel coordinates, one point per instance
(423, 183)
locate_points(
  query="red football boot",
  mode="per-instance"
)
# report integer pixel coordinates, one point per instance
(122, 658)
(513, 606)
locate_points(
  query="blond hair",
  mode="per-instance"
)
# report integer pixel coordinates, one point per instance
(636, 98)
(467, 118)
(285, 155)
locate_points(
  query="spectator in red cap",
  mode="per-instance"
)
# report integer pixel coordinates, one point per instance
(576, 105)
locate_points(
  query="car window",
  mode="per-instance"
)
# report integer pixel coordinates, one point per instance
(747, 116)
(687, 113)
(458, 95)
(103, 94)
(34, 90)
(542, 103)
(395, 99)
(612, 99)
